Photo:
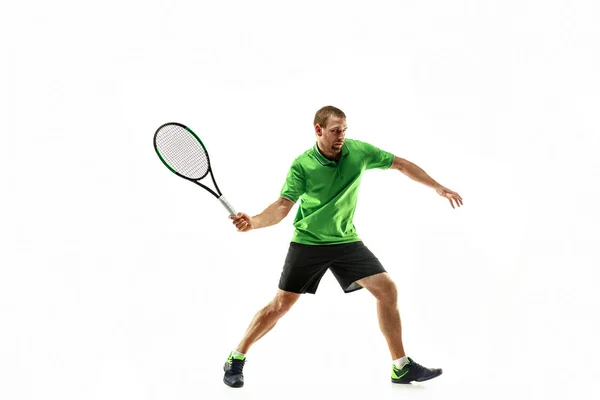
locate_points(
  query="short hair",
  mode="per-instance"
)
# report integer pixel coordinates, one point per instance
(324, 113)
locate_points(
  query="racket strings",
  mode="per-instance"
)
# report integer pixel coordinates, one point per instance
(182, 151)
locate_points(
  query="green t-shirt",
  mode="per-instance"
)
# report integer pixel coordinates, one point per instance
(328, 191)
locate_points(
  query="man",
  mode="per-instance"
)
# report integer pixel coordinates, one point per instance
(326, 179)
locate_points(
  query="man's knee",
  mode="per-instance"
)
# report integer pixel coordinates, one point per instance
(282, 302)
(382, 287)
(390, 292)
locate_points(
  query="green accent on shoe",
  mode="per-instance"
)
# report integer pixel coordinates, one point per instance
(237, 357)
(398, 373)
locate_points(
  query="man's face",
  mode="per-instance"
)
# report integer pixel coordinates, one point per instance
(331, 137)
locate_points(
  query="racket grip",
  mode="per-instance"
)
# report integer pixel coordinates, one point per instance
(228, 206)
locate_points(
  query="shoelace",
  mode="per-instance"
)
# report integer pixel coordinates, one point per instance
(419, 369)
(237, 365)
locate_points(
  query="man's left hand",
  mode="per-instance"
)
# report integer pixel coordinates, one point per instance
(453, 197)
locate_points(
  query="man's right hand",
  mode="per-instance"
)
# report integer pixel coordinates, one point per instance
(242, 221)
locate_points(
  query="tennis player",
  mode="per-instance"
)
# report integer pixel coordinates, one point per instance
(325, 179)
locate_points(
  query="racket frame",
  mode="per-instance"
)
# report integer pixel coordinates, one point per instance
(218, 193)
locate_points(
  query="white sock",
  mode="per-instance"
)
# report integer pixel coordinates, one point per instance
(401, 362)
(237, 353)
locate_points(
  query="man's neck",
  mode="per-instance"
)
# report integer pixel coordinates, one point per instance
(329, 155)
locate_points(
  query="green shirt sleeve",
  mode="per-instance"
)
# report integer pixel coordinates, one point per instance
(376, 158)
(294, 185)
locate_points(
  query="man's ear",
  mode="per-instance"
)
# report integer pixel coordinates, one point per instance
(318, 130)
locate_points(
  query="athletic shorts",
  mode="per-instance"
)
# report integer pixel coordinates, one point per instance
(306, 264)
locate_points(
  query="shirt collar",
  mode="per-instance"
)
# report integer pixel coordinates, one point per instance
(324, 160)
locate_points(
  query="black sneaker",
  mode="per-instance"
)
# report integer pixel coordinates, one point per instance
(233, 367)
(413, 372)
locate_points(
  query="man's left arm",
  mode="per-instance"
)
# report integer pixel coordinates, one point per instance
(414, 172)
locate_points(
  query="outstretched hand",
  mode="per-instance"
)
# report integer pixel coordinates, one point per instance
(242, 221)
(452, 197)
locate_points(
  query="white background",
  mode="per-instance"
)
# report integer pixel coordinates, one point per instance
(119, 280)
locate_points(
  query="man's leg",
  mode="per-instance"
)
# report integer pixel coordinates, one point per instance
(265, 319)
(262, 323)
(384, 290)
(303, 269)
(405, 370)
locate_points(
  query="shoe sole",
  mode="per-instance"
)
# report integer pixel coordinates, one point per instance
(416, 380)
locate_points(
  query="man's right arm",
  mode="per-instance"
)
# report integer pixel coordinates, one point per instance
(272, 215)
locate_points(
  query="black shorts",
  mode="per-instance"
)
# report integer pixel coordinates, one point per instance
(306, 264)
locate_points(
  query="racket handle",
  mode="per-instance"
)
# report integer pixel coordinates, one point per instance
(228, 206)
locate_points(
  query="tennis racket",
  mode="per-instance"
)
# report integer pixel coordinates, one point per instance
(182, 151)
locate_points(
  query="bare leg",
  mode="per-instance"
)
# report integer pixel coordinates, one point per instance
(384, 290)
(265, 319)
